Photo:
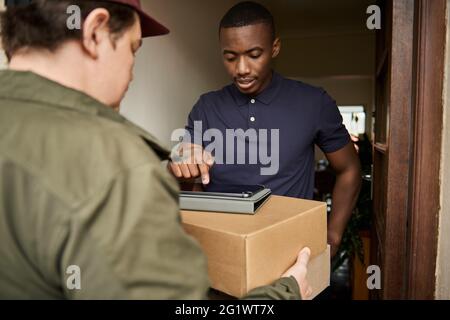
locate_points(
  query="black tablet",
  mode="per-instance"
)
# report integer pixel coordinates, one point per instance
(228, 190)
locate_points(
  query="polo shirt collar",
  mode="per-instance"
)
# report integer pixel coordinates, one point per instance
(266, 97)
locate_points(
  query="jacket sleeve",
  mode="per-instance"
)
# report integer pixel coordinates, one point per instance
(282, 289)
(128, 242)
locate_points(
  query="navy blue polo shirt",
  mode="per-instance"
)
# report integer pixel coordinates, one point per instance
(278, 130)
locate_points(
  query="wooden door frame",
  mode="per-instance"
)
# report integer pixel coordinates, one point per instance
(406, 217)
(424, 188)
(390, 223)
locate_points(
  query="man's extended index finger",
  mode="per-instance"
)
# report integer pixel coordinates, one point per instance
(204, 171)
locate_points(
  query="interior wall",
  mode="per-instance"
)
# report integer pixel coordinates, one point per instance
(2, 59)
(171, 72)
(443, 257)
(328, 54)
(3, 63)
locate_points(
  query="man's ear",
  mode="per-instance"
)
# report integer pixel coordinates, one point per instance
(276, 47)
(95, 31)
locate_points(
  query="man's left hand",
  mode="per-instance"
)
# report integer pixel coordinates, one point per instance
(334, 240)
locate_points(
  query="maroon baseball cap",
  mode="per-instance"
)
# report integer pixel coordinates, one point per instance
(150, 27)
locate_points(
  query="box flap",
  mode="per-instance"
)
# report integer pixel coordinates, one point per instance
(276, 210)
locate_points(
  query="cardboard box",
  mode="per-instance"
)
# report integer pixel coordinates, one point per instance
(319, 271)
(248, 251)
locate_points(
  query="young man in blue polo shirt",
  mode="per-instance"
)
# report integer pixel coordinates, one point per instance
(262, 128)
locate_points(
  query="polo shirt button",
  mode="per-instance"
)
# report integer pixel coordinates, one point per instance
(252, 101)
(252, 119)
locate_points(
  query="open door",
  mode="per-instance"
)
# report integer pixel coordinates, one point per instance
(391, 144)
(407, 146)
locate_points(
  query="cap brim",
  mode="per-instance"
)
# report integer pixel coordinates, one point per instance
(150, 27)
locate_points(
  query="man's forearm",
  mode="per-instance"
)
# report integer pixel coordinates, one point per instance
(345, 196)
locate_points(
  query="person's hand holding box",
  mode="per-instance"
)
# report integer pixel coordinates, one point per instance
(299, 271)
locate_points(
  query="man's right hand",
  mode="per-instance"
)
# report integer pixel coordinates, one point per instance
(299, 271)
(191, 161)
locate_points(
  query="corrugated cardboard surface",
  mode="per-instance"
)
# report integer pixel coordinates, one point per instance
(247, 251)
(319, 271)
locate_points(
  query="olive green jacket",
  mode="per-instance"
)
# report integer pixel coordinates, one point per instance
(81, 187)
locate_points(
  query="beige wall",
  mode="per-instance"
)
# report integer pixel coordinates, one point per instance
(443, 259)
(2, 60)
(172, 71)
(333, 54)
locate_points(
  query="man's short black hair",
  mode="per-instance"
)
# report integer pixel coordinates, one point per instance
(248, 13)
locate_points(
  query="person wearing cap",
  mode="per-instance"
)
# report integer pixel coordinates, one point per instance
(86, 209)
(300, 115)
